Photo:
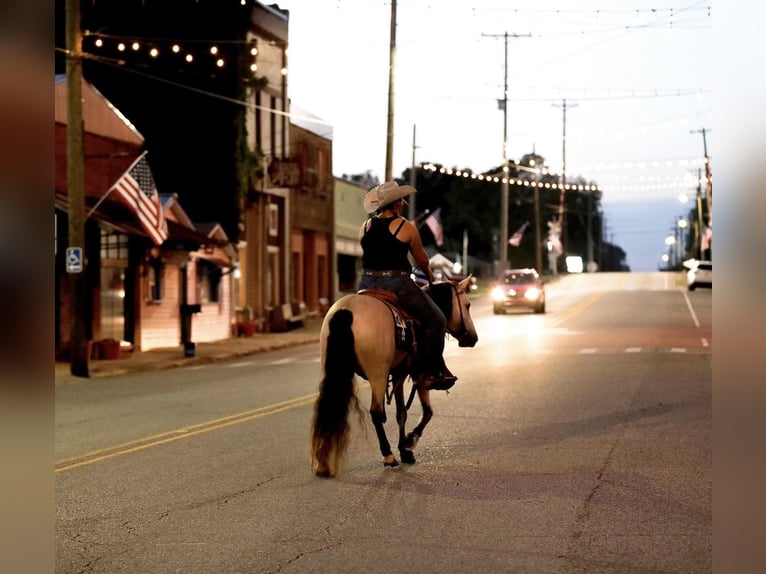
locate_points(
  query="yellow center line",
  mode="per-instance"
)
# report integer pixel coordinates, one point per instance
(185, 432)
(580, 307)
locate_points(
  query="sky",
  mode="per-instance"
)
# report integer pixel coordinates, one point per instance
(635, 76)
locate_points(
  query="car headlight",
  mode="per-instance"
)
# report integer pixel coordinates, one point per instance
(498, 293)
(532, 294)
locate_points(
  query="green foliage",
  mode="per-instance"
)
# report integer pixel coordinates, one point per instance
(248, 161)
(474, 205)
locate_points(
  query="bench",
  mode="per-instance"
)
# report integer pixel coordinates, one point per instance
(288, 316)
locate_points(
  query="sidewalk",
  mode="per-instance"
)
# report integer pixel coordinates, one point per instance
(168, 358)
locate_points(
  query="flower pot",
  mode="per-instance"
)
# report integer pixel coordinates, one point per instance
(245, 328)
(110, 349)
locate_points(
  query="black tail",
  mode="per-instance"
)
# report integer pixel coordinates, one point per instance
(330, 428)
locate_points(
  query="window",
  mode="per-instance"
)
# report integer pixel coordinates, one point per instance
(208, 282)
(153, 280)
(114, 245)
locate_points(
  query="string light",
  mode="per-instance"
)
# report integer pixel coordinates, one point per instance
(100, 42)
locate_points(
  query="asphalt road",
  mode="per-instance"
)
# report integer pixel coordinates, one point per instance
(574, 441)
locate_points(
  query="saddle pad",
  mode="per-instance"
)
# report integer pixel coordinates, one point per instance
(404, 328)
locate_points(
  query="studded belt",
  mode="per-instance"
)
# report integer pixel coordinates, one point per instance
(387, 273)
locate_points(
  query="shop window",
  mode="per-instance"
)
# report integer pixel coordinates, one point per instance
(208, 282)
(114, 245)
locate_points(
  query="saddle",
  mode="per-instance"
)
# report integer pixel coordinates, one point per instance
(404, 325)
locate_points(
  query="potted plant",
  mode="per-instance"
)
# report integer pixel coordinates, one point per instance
(246, 327)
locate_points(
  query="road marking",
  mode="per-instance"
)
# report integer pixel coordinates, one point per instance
(677, 350)
(176, 434)
(579, 308)
(239, 364)
(633, 350)
(184, 432)
(691, 309)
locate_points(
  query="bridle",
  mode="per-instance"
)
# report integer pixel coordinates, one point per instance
(463, 333)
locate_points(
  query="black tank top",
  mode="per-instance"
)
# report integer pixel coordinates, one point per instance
(381, 249)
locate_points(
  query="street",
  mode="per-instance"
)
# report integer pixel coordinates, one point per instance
(579, 440)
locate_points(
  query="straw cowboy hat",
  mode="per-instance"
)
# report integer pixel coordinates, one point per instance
(384, 194)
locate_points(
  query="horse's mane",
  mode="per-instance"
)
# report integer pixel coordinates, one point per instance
(441, 293)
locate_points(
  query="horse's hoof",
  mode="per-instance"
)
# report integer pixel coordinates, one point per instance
(390, 461)
(411, 441)
(323, 471)
(407, 456)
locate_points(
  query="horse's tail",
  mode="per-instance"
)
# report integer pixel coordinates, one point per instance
(330, 428)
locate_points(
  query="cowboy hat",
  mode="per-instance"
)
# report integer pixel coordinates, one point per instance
(385, 194)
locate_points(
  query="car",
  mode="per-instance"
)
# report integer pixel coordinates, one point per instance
(700, 274)
(518, 288)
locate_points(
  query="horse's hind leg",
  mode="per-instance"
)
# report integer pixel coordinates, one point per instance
(425, 402)
(378, 415)
(401, 419)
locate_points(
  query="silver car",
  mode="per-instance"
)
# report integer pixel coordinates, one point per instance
(700, 274)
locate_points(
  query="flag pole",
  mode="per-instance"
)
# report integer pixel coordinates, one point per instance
(108, 191)
(420, 219)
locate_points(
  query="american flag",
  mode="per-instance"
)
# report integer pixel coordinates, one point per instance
(137, 190)
(434, 223)
(515, 239)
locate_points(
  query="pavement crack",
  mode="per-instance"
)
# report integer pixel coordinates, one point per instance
(218, 501)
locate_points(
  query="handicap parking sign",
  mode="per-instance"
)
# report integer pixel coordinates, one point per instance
(74, 259)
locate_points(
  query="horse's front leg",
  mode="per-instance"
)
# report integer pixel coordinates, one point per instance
(401, 418)
(378, 415)
(425, 403)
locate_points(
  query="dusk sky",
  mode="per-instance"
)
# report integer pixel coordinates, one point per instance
(636, 77)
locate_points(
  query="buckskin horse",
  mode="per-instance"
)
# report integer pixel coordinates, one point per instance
(359, 335)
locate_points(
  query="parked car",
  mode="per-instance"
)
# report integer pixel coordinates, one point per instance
(700, 274)
(518, 288)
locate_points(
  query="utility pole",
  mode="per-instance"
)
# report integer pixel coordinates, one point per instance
(708, 174)
(589, 265)
(413, 178)
(76, 190)
(503, 262)
(562, 195)
(698, 240)
(538, 245)
(391, 67)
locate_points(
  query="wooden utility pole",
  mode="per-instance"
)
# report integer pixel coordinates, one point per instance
(76, 190)
(391, 69)
(413, 178)
(708, 174)
(504, 236)
(700, 222)
(562, 195)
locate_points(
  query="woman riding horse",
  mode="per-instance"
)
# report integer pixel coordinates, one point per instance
(358, 336)
(386, 239)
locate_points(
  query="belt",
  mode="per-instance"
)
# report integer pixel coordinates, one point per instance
(388, 273)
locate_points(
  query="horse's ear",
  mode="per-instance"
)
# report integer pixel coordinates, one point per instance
(463, 285)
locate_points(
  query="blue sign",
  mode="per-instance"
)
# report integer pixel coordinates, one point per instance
(74, 259)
